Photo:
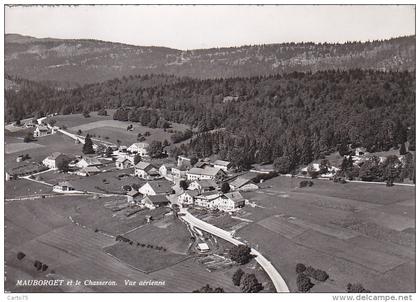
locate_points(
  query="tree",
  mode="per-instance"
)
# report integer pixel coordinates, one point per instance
(282, 164)
(137, 159)
(240, 254)
(155, 149)
(28, 138)
(183, 185)
(62, 164)
(300, 268)
(79, 132)
(237, 276)
(225, 187)
(52, 122)
(88, 145)
(403, 151)
(86, 114)
(303, 283)
(392, 167)
(324, 166)
(109, 152)
(102, 112)
(250, 284)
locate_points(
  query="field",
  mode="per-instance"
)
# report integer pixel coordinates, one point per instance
(109, 130)
(356, 232)
(44, 231)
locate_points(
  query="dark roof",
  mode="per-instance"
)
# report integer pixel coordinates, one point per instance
(207, 183)
(206, 171)
(160, 186)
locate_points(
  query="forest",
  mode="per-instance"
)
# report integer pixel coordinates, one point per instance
(299, 116)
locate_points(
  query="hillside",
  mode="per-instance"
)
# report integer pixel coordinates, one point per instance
(77, 62)
(302, 116)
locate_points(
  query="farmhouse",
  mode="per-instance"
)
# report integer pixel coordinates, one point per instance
(88, 162)
(41, 131)
(188, 197)
(146, 171)
(180, 172)
(242, 184)
(206, 200)
(63, 186)
(203, 185)
(139, 148)
(134, 196)
(206, 173)
(30, 124)
(88, 171)
(229, 201)
(52, 160)
(156, 187)
(166, 169)
(222, 164)
(23, 169)
(123, 163)
(155, 201)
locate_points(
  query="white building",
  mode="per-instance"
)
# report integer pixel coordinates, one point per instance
(123, 163)
(206, 200)
(88, 162)
(156, 187)
(206, 173)
(52, 160)
(146, 171)
(222, 164)
(188, 197)
(229, 201)
(63, 186)
(41, 131)
(139, 148)
(203, 185)
(166, 169)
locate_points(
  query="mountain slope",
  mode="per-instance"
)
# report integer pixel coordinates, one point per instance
(88, 61)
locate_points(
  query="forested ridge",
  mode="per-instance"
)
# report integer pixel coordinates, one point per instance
(78, 61)
(301, 116)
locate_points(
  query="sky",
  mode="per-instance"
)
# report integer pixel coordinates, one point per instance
(193, 27)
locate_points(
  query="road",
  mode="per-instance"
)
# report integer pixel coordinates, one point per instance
(276, 278)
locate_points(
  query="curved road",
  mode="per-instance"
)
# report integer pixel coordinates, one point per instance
(271, 271)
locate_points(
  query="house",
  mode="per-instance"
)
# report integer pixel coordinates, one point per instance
(188, 197)
(156, 187)
(122, 149)
(229, 201)
(139, 148)
(19, 158)
(206, 173)
(184, 161)
(222, 164)
(30, 124)
(146, 170)
(88, 162)
(41, 131)
(242, 184)
(52, 160)
(123, 163)
(155, 201)
(88, 171)
(63, 186)
(203, 247)
(204, 185)
(206, 199)
(134, 196)
(166, 169)
(180, 172)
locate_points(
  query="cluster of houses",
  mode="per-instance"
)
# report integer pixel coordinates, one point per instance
(203, 179)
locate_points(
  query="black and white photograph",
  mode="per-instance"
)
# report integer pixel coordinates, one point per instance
(180, 148)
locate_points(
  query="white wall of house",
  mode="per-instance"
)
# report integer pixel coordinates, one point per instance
(146, 189)
(50, 163)
(186, 198)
